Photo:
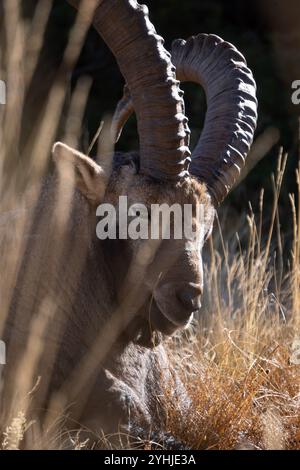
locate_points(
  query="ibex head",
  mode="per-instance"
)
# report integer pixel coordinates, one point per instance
(165, 171)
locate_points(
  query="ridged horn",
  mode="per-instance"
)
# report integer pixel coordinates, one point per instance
(146, 66)
(231, 115)
(121, 115)
(231, 108)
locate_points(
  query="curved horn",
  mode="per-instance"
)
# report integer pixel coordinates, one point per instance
(231, 115)
(146, 65)
(231, 108)
(121, 115)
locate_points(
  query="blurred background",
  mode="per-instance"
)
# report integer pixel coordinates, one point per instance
(265, 31)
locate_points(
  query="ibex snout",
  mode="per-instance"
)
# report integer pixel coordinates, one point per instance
(177, 303)
(189, 295)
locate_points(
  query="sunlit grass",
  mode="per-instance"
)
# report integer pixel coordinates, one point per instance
(241, 364)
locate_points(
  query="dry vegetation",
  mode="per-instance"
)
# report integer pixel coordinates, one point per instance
(240, 363)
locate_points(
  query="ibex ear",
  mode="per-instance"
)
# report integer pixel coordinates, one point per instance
(90, 179)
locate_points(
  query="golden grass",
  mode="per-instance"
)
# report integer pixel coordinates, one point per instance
(240, 364)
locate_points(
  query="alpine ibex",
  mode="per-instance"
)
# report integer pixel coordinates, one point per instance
(115, 300)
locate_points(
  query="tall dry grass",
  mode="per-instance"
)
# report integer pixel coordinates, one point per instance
(240, 364)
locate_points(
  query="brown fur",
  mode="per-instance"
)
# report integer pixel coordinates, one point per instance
(84, 278)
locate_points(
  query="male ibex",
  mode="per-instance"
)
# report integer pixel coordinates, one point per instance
(115, 299)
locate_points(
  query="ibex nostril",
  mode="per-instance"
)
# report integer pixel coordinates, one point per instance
(190, 296)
